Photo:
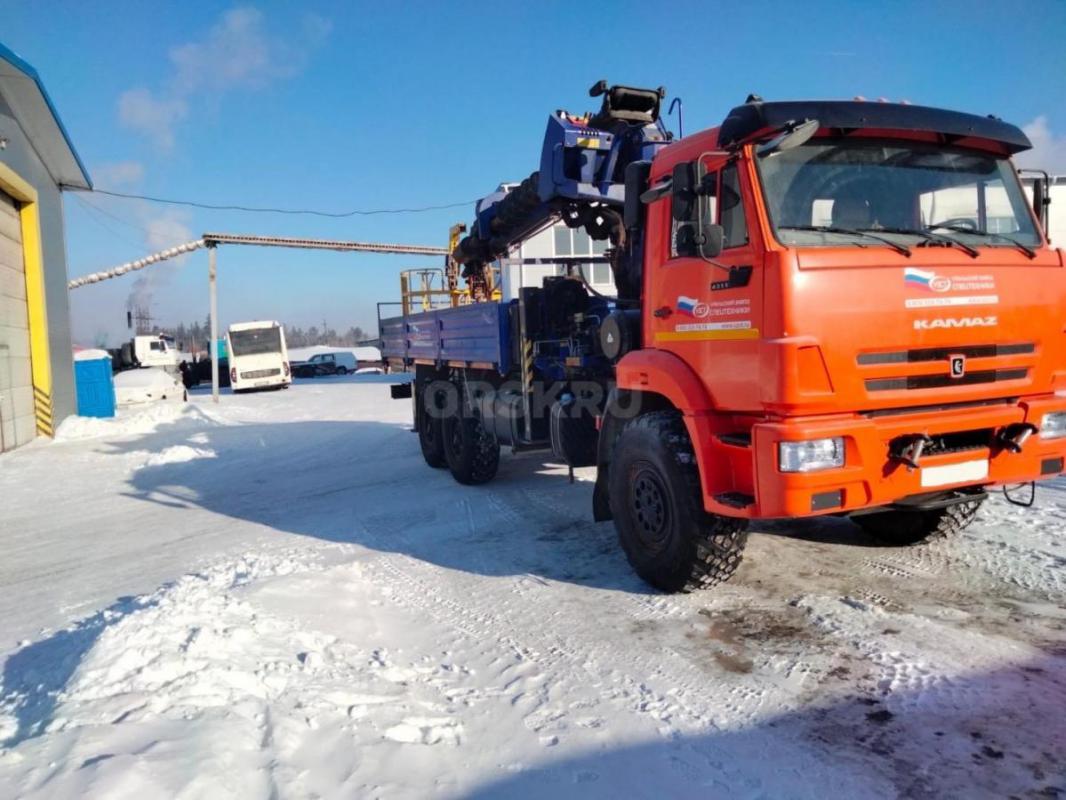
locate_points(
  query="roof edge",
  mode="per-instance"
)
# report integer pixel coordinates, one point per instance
(26, 69)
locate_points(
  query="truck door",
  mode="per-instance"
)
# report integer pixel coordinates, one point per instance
(709, 312)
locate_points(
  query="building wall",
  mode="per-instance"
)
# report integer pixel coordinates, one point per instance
(546, 244)
(21, 157)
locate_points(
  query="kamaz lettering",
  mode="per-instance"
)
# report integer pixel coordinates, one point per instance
(961, 322)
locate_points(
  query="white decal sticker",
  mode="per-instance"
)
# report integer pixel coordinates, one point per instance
(929, 281)
(737, 325)
(943, 302)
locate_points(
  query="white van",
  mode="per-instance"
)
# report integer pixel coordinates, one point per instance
(258, 358)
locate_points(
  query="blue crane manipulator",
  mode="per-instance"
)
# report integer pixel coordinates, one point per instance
(586, 163)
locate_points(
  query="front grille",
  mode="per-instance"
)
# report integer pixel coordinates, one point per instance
(946, 443)
(938, 381)
(260, 373)
(895, 412)
(927, 354)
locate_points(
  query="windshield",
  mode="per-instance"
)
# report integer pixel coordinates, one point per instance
(819, 191)
(255, 342)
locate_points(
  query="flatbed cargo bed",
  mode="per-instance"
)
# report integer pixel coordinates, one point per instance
(472, 335)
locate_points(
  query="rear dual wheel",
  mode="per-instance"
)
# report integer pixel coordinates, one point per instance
(472, 452)
(430, 436)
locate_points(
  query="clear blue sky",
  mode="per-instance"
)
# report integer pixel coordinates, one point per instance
(350, 105)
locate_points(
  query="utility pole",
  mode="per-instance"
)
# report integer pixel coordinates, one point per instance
(212, 279)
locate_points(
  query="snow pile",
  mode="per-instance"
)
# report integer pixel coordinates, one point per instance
(147, 378)
(147, 385)
(133, 422)
(91, 355)
(178, 454)
(218, 695)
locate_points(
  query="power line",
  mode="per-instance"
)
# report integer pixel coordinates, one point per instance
(115, 217)
(91, 213)
(295, 211)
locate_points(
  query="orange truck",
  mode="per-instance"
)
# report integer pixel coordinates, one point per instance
(823, 308)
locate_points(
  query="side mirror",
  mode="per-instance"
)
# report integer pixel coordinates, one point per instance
(704, 241)
(711, 240)
(683, 189)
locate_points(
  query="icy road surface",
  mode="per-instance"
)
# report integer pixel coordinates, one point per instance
(275, 597)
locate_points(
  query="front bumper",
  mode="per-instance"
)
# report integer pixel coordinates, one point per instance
(871, 477)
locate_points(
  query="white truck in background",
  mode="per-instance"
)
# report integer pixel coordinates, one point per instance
(157, 350)
(147, 350)
(258, 357)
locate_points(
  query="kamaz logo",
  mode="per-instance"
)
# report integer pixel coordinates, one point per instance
(955, 322)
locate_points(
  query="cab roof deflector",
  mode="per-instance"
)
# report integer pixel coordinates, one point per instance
(746, 121)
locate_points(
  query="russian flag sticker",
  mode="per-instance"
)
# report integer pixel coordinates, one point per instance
(918, 277)
(687, 305)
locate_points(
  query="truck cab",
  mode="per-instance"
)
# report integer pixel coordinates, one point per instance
(158, 350)
(881, 319)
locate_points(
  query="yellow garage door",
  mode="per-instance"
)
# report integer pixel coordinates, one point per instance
(16, 382)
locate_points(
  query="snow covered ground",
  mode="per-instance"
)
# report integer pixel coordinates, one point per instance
(275, 597)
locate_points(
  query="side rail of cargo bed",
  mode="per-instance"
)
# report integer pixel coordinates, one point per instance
(475, 335)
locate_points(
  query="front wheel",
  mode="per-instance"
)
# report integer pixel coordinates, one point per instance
(903, 528)
(473, 454)
(654, 489)
(342, 370)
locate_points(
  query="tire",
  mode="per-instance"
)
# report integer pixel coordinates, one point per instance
(430, 434)
(903, 528)
(472, 453)
(342, 370)
(655, 496)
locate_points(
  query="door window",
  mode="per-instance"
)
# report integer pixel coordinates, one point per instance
(732, 209)
(708, 211)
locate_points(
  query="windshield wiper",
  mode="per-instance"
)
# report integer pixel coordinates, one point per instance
(929, 236)
(899, 248)
(977, 232)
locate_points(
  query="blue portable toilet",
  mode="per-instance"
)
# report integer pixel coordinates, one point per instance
(95, 384)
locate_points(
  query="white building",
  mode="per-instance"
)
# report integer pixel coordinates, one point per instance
(558, 240)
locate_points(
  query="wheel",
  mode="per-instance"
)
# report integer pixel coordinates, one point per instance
(472, 453)
(342, 370)
(654, 490)
(911, 527)
(430, 435)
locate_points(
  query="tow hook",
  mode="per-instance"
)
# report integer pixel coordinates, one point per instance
(1013, 437)
(908, 449)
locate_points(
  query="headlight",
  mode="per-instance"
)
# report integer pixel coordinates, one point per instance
(1053, 425)
(812, 455)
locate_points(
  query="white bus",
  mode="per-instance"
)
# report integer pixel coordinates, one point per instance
(258, 358)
